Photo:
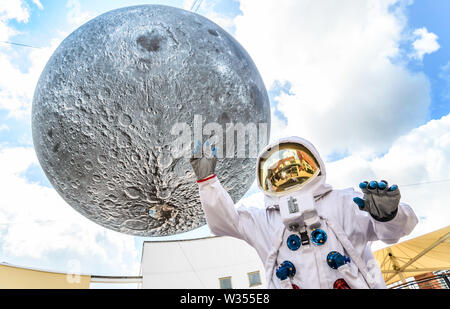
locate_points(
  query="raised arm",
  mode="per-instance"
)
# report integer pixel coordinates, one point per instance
(221, 215)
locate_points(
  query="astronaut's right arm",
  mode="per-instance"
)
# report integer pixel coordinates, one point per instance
(222, 217)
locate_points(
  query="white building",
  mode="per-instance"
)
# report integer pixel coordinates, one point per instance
(211, 262)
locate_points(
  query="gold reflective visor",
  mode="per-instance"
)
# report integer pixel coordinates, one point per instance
(286, 167)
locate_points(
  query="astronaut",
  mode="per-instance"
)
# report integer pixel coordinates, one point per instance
(308, 236)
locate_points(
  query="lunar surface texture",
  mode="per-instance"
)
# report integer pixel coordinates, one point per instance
(106, 103)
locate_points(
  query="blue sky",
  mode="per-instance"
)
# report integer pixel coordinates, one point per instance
(435, 17)
(405, 65)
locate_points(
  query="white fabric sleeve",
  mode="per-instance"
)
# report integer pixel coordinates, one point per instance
(402, 224)
(224, 219)
(389, 232)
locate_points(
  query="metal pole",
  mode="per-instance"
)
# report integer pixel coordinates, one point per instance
(418, 256)
(447, 282)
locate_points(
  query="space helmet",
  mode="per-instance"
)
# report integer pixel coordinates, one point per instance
(288, 165)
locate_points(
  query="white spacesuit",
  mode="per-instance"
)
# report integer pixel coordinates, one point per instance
(308, 235)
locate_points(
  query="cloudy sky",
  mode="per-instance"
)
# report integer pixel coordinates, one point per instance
(368, 82)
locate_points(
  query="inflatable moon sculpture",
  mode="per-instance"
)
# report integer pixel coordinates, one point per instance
(108, 99)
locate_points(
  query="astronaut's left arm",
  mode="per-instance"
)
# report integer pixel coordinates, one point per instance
(380, 215)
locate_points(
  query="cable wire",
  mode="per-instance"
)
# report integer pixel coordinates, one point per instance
(19, 44)
(193, 4)
(196, 4)
(425, 183)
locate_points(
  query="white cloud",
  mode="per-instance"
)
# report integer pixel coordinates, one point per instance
(11, 92)
(10, 10)
(187, 4)
(207, 9)
(17, 87)
(76, 16)
(223, 21)
(347, 94)
(38, 4)
(425, 43)
(14, 9)
(39, 229)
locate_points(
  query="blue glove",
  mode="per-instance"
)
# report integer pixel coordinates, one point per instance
(380, 200)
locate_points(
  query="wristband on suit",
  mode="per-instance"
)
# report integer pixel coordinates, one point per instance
(207, 178)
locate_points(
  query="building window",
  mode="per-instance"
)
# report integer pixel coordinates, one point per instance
(254, 278)
(225, 283)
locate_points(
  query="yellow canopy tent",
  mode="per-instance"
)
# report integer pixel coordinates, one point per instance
(426, 253)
